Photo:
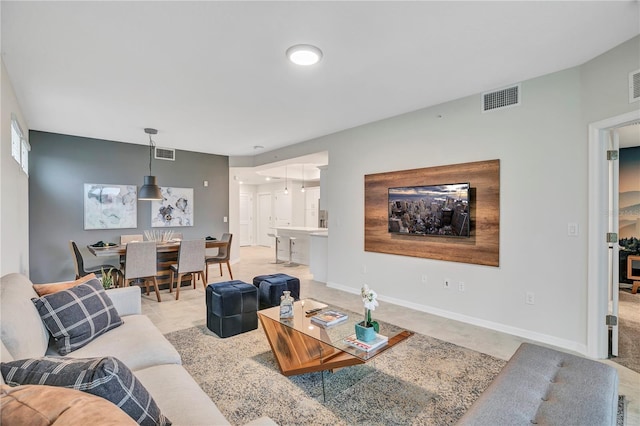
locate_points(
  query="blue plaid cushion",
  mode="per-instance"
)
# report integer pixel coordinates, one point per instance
(76, 316)
(106, 377)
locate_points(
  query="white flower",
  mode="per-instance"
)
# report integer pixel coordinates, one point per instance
(364, 291)
(369, 298)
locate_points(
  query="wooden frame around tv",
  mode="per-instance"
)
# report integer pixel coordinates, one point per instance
(483, 245)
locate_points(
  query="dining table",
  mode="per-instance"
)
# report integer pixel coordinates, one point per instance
(167, 254)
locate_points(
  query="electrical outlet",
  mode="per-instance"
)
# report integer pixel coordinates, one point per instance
(424, 278)
(364, 269)
(530, 298)
(573, 230)
(461, 286)
(447, 283)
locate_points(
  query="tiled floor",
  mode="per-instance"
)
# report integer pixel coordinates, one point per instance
(189, 311)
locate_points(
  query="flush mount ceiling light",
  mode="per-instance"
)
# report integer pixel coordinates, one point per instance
(150, 191)
(304, 54)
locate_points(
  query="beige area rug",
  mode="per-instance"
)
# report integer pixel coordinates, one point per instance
(629, 331)
(420, 381)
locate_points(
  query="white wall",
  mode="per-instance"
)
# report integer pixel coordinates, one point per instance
(543, 148)
(14, 190)
(537, 143)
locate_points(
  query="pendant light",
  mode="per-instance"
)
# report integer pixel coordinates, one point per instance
(302, 189)
(150, 191)
(286, 191)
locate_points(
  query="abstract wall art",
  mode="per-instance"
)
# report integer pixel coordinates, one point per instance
(175, 209)
(110, 206)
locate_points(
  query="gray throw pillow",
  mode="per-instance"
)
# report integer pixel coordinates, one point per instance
(106, 377)
(76, 316)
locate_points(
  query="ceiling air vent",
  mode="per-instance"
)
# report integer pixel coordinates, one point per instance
(497, 99)
(165, 154)
(634, 86)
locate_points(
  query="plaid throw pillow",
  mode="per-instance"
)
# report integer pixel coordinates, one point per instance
(106, 377)
(76, 316)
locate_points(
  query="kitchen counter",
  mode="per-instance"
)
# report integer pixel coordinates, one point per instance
(318, 262)
(301, 244)
(299, 229)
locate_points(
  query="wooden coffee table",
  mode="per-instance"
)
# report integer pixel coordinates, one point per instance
(301, 346)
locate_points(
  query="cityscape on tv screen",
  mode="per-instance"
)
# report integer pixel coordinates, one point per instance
(439, 210)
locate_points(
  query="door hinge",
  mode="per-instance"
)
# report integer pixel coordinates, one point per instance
(612, 155)
(612, 237)
(612, 320)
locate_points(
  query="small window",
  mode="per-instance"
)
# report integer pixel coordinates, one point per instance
(16, 138)
(24, 158)
(19, 146)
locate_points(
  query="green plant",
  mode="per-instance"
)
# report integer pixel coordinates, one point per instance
(107, 278)
(369, 300)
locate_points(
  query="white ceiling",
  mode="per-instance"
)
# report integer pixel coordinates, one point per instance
(212, 76)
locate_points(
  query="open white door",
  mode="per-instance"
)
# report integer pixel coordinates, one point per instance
(603, 187)
(614, 247)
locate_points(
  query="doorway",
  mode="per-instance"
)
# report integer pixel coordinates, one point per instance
(628, 353)
(602, 287)
(246, 219)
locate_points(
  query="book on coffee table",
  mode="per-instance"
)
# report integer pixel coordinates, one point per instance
(329, 318)
(380, 340)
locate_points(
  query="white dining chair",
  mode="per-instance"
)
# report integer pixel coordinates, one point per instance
(141, 264)
(124, 239)
(190, 262)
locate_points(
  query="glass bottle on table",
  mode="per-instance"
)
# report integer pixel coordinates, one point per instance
(286, 305)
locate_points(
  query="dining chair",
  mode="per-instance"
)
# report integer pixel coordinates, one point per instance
(223, 256)
(190, 262)
(141, 264)
(124, 239)
(81, 270)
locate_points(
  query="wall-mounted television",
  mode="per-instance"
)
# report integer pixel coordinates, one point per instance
(432, 210)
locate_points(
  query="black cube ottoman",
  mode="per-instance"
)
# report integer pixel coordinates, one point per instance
(270, 288)
(231, 308)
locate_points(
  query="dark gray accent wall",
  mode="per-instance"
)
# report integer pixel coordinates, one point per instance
(59, 167)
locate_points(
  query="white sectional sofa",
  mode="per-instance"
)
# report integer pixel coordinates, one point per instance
(137, 343)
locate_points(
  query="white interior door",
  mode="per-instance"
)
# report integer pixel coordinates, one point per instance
(264, 219)
(246, 219)
(597, 263)
(614, 247)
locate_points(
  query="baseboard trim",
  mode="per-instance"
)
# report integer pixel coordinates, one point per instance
(569, 345)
